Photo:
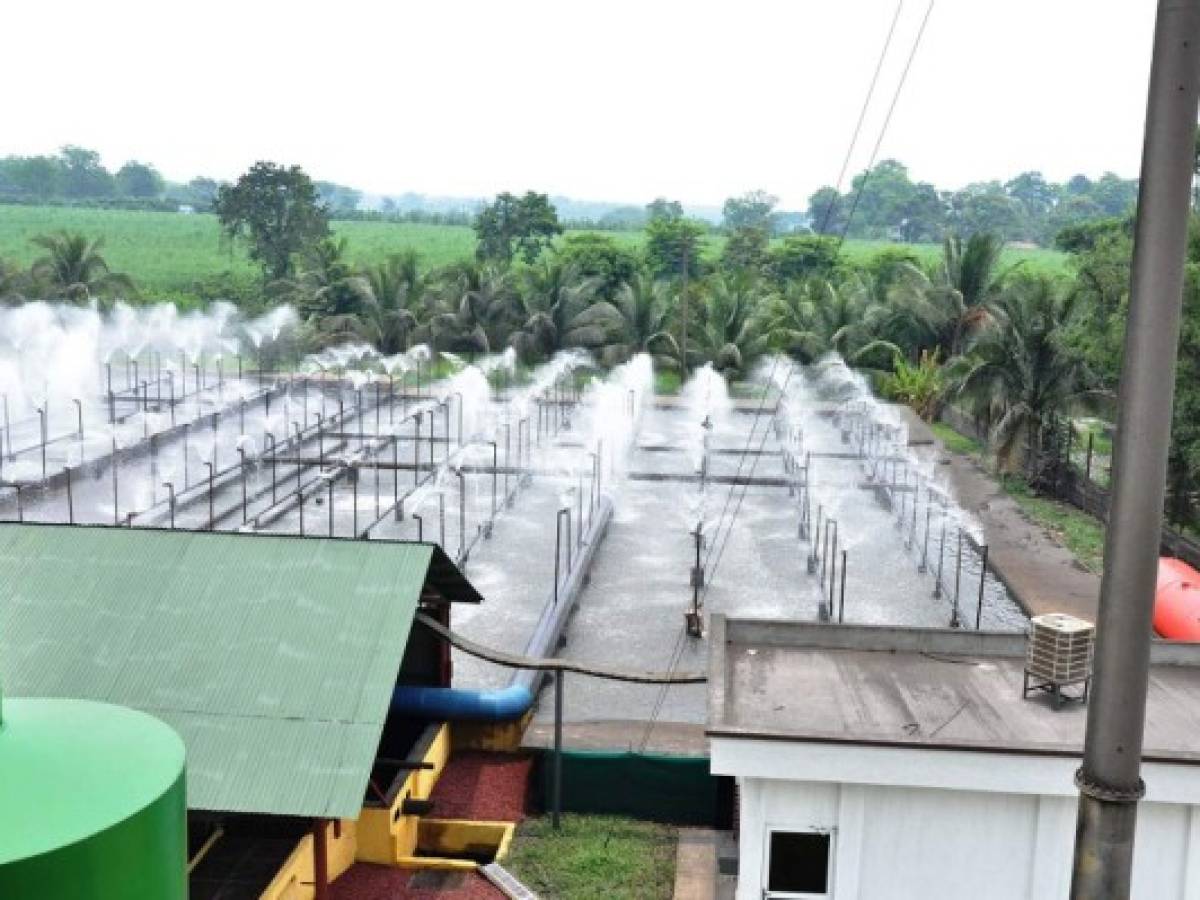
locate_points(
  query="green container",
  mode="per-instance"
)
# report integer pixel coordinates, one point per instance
(92, 803)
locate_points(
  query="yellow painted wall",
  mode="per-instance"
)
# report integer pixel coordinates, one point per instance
(294, 880)
(387, 835)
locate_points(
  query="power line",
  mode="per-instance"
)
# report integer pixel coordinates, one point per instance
(862, 115)
(886, 122)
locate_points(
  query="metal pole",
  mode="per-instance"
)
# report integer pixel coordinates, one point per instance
(170, 501)
(211, 517)
(70, 498)
(556, 814)
(842, 600)
(954, 623)
(1109, 781)
(983, 558)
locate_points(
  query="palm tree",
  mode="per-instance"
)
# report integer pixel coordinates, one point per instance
(73, 269)
(816, 317)
(474, 307)
(391, 307)
(637, 321)
(1019, 369)
(327, 286)
(731, 334)
(941, 310)
(555, 306)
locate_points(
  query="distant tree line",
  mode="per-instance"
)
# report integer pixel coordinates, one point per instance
(888, 204)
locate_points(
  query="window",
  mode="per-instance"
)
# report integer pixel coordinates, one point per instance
(798, 864)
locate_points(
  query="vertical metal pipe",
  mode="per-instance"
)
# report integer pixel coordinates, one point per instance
(842, 600)
(1109, 781)
(983, 560)
(954, 620)
(211, 518)
(242, 470)
(70, 498)
(556, 813)
(937, 585)
(329, 501)
(114, 464)
(170, 501)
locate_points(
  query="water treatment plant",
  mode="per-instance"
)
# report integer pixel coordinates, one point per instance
(342, 580)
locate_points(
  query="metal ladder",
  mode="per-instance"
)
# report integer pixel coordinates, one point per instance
(503, 879)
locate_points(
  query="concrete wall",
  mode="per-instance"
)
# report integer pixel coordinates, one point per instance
(920, 843)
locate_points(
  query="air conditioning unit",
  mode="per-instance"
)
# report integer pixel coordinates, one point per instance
(1059, 654)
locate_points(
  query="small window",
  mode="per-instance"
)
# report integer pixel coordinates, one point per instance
(798, 865)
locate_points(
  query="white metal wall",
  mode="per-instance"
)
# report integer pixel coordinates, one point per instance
(924, 843)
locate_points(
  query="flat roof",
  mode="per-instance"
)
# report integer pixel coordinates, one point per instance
(274, 657)
(919, 688)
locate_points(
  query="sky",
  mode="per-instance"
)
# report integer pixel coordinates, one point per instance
(618, 101)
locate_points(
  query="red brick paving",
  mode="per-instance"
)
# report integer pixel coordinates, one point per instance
(483, 786)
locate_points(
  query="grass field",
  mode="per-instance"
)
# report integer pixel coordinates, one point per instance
(595, 858)
(167, 253)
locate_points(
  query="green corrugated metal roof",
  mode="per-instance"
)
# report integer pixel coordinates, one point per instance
(274, 657)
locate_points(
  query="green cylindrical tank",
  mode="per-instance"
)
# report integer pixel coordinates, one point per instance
(92, 803)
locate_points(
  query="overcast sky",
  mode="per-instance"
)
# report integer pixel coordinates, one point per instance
(620, 100)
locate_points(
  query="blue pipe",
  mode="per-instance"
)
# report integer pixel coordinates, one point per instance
(456, 704)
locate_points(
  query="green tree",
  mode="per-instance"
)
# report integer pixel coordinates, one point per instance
(1020, 368)
(669, 243)
(36, 177)
(746, 249)
(803, 256)
(513, 225)
(83, 175)
(638, 320)
(662, 208)
(600, 257)
(826, 211)
(475, 307)
(135, 179)
(326, 286)
(391, 307)
(814, 317)
(940, 311)
(72, 269)
(554, 306)
(730, 329)
(751, 210)
(275, 211)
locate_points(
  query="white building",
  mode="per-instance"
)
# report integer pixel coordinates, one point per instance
(894, 763)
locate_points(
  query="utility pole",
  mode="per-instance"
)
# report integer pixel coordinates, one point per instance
(1109, 781)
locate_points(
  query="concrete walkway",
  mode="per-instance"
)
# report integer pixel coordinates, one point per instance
(1040, 573)
(696, 865)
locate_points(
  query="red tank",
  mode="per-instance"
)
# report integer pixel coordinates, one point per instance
(1177, 601)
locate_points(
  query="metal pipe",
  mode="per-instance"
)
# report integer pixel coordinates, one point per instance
(983, 561)
(937, 585)
(329, 502)
(70, 498)
(242, 468)
(954, 621)
(1109, 780)
(170, 501)
(842, 600)
(558, 721)
(211, 518)
(113, 464)
(268, 435)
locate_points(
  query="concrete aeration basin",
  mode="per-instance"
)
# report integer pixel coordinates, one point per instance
(805, 498)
